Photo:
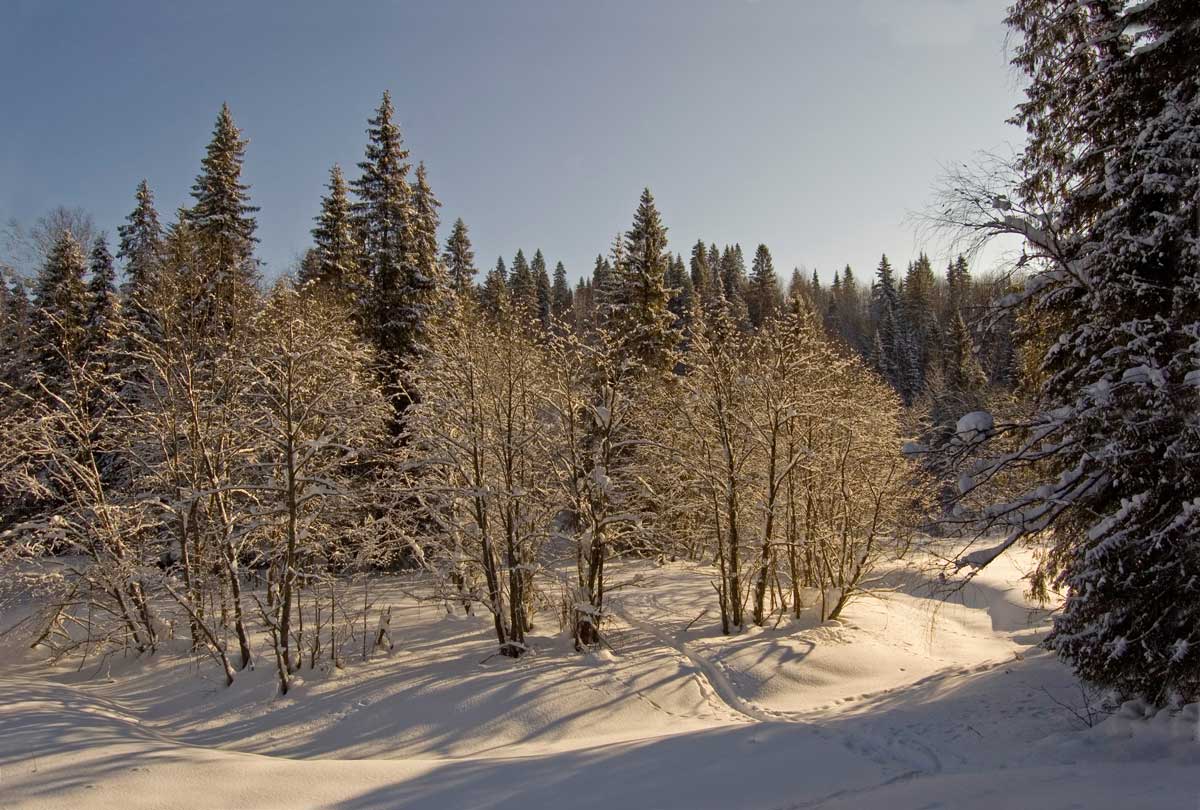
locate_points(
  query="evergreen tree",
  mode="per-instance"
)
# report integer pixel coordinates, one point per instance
(762, 298)
(642, 317)
(336, 260)
(1113, 161)
(679, 283)
(459, 258)
(140, 247)
(222, 223)
(541, 280)
(387, 226)
(494, 295)
(920, 337)
(700, 271)
(522, 289)
(560, 293)
(426, 276)
(605, 290)
(60, 310)
(887, 356)
(101, 325)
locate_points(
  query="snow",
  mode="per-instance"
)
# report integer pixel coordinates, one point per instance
(911, 700)
(974, 425)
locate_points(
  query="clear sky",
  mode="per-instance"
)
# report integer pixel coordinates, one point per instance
(815, 127)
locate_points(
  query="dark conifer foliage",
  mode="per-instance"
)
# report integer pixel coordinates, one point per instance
(459, 258)
(561, 297)
(336, 259)
(140, 247)
(762, 297)
(641, 314)
(221, 218)
(60, 306)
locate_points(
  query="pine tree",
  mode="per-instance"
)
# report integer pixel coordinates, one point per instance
(762, 298)
(140, 247)
(336, 258)
(222, 223)
(459, 258)
(560, 293)
(642, 317)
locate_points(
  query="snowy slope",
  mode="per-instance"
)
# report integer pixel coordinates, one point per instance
(908, 702)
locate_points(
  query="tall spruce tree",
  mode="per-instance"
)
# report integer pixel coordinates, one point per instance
(522, 289)
(102, 325)
(1113, 163)
(140, 247)
(560, 293)
(762, 297)
(222, 224)
(459, 258)
(642, 317)
(541, 281)
(427, 276)
(60, 310)
(387, 226)
(336, 258)
(494, 295)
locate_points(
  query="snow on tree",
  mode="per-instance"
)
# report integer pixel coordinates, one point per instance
(560, 294)
(140, 247)
(1104, 195)
(336, 264)
(640, 312)
(459, 258)
(314, 411)
(762, 295)
(221, 222)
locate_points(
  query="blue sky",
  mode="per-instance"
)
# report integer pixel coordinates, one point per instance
(814, 127)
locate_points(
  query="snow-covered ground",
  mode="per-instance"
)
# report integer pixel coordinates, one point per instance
(908, 702)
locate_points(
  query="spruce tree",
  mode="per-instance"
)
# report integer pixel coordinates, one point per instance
(679, 283)
(102, 322)
(560, 293)
(887, 356)
(493, 295)
(641, 316)
(60, 310)
(541, 280)
(762, 298)
(1113, 162)
(336, 260)
(459, 258)
(221, 221)
(921, 333)
(140, 247)
(699, 270)
(522, 289)
(387, 225)
(426, 276)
